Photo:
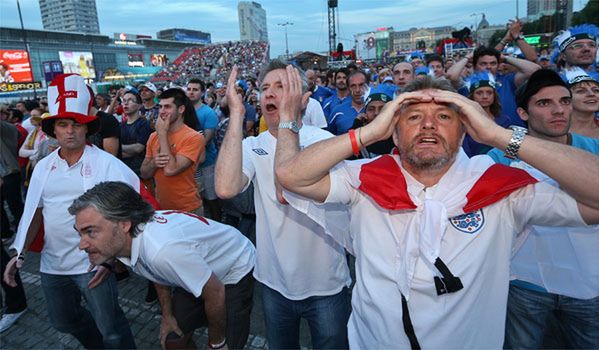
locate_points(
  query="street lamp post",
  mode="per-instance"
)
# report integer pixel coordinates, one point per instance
(284, 25)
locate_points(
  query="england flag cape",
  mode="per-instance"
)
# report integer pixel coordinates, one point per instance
(469, 185)
(97, 166)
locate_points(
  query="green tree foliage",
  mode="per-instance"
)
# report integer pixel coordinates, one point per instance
(589, 14)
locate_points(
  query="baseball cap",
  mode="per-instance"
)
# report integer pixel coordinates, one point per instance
(378, 96)
(537, 81)
(150, 87)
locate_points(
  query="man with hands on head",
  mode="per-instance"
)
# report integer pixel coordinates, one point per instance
(432, 230)
(303, 273)
(208, 264)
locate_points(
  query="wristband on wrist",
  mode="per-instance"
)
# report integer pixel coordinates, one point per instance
(360, 138)
(354, 143)
(218, 345)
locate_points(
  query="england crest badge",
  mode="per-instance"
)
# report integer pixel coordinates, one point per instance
(468, 223)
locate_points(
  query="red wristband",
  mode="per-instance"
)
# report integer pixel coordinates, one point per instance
(354, 143)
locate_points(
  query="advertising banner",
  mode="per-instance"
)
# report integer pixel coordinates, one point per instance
(52, 69)
(135, 59)
(14, 67)
(158, 60)
(10, 87)
(81, 63)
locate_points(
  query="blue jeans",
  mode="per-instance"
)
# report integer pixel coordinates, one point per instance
(327, 317)
(528, 313)
(101, 325)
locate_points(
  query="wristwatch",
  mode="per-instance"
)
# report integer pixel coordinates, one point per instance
(513, 147)
(293, 126)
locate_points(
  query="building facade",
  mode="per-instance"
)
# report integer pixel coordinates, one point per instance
(100, 57)
(185, 35)
(375, 44)
(418, 38)
(252, 21)
(80, 16)
(536, 9)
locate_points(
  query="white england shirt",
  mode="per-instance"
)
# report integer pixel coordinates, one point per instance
(183, 250)
(476, 247)
(294, 255)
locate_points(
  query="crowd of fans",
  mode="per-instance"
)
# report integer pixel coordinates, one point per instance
(212, 62)
(205, 98)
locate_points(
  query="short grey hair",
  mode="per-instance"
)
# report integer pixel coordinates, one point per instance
(429, 82)
(278, 64)
(116, 201)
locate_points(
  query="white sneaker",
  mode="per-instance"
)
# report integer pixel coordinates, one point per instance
(9, 319)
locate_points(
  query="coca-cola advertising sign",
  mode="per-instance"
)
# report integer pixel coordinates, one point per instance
(14, 67)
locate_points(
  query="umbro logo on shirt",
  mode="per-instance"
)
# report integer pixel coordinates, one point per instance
(260, 151)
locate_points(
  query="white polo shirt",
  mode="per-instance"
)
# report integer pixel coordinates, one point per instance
(61, 254)
(314, 115)
(294, 255)
(183, 250)
(476, 248)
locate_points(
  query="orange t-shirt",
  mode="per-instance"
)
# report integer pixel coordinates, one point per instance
(178, 192)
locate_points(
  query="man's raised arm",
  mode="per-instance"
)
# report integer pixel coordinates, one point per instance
(229, 178)
(307, 172)
(575, 170)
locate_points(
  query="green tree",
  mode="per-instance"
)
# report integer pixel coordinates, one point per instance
(589, 14)
(496, 37)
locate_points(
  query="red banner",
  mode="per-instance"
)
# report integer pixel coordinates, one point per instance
(14, 67)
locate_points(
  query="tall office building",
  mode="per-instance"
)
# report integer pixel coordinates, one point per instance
(536, 9)
(79, 16)
(252, 21)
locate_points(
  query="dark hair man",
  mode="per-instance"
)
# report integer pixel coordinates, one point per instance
(403, 74)
(432, 229)
(552, 263)
(435, 63)
(342, 117)
(208, 263)
(173, 152)
(340, 95)
(135, 132)
(485, 58)
(319, 93)
(205, 172)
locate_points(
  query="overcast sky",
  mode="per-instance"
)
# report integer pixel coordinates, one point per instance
(309, 17)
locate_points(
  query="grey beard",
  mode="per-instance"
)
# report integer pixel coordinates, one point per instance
(427, 164)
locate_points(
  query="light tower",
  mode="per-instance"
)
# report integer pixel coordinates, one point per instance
(332, 26)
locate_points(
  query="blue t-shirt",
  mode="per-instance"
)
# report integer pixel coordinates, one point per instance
(137, 132)
(321, 93)
(507, 97)
(474, 148)
(578, 141)
(208, 121)
(332, 102)
(342, 118)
